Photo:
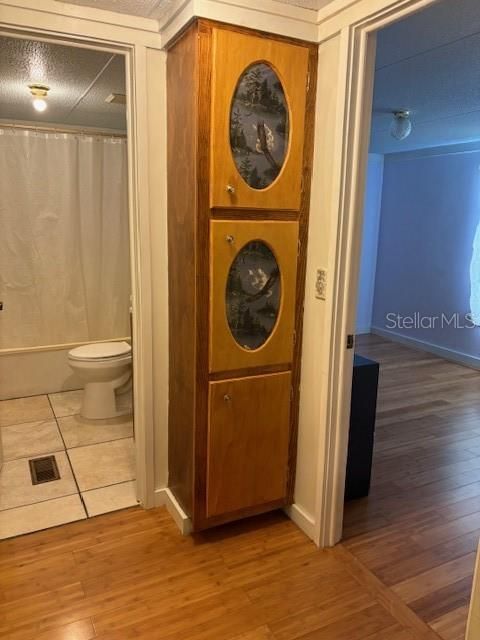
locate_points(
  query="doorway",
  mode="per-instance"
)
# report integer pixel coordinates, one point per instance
(419, 527)
(66, 293)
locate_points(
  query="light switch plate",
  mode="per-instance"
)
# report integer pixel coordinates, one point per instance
(321, 284)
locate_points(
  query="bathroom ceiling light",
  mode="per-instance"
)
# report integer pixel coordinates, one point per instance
(39, 93)
(401, 126)
(39, 104)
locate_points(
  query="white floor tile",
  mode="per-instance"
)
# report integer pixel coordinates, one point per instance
(42, 515)
(30, 440)
(23, 410)
(78, 431)
(100, 465)
(113, 498)
(66, 403)
(16, 487)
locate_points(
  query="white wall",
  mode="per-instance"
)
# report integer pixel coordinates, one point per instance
(371, 225)
(311, 441)
(156, 70)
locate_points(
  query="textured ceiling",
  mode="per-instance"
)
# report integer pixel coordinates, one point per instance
(79, 81)
(157, 8)
(154, 9)
(430, 65)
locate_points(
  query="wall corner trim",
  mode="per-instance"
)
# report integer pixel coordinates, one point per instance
(165, 498)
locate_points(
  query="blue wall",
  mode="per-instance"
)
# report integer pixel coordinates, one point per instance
(429, 216)
(371, 220)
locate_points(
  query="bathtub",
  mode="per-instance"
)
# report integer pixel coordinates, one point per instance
(36, 370)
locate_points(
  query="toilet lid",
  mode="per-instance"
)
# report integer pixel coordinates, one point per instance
(100, 350)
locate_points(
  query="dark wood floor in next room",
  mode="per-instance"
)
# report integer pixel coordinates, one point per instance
(419, 528)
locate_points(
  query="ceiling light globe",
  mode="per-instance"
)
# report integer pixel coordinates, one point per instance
(39, 104)
(401, 126)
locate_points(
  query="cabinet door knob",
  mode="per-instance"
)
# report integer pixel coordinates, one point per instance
(230, 188)
(227, 397)
(230, 239)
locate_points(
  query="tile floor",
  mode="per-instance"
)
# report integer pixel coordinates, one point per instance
(96, 461)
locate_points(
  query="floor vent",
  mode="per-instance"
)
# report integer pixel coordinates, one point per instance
(44, 469)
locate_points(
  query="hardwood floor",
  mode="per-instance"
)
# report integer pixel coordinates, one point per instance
(403, 572)
(419, 528)
(131, 575)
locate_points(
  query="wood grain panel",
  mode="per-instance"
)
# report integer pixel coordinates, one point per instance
(247, 442)
(282, 239)
(232, 53)
(202, 273)
(182, 248)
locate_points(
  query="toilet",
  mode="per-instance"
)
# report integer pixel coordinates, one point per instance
(104, 367)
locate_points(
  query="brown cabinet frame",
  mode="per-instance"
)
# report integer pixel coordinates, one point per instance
(189, 72)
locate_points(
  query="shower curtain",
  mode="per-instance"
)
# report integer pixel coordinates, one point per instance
(64, 254)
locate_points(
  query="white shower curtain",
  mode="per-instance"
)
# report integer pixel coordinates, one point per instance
(64, 252)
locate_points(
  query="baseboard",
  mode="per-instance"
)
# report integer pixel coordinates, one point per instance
(302, 519)
(164, 497)
(421, 345)
(361, 330)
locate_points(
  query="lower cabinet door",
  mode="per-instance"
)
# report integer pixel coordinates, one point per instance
(248, 441)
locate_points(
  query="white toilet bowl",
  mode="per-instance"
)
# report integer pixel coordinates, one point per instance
(104, 367)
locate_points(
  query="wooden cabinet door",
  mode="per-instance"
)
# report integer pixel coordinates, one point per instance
(248, 440)
(259, 90)
(253, 272)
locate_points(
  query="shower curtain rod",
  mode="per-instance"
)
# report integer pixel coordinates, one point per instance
(84, 132)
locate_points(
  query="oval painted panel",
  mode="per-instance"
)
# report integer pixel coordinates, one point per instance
(252, 295)
(259, 125)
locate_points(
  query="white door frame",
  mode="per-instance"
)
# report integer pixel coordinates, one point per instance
(47, 20)
(357, 68)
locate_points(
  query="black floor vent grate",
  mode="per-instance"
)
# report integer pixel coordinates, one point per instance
(44, 469)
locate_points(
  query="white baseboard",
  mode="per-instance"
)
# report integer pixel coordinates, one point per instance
(302, 519)
(164, 497)
(442, 352)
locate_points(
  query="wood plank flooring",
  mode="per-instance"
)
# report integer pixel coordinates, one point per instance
(130, 574)
(419, 528)
(403, 572)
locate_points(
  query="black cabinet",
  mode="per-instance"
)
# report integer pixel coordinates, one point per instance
(362, 427)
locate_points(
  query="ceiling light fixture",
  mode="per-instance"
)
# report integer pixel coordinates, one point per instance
(39, 93)
(39, 104)
(401, 126)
